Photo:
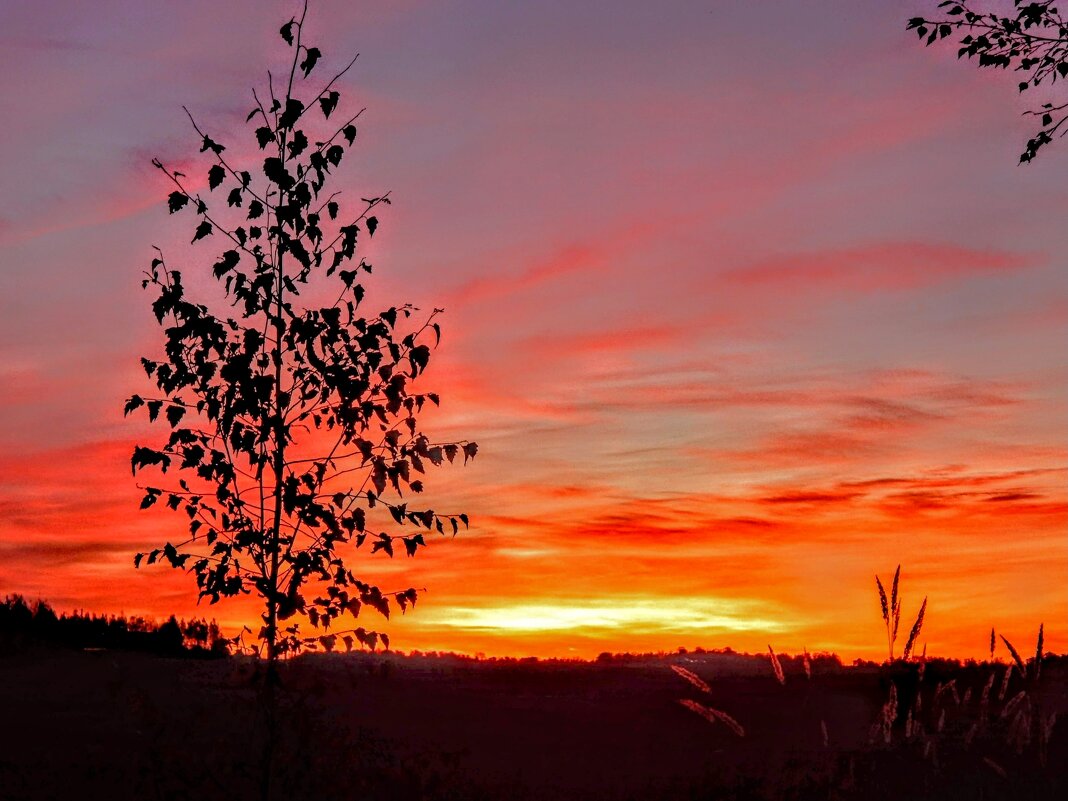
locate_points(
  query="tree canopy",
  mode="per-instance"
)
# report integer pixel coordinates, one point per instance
(1032, 41)
(291, 413)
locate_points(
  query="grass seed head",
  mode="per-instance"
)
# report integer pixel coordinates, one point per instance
(693, 678)
(729, 722)
(776, 666)
(713, 715)
(994, 766)
(916, 627)
(893, 589)
(699, 709)
(1047, 726)
(1038, 650)
(1015, 657)
(882, 600)
(1013, 703)
(1005, 683)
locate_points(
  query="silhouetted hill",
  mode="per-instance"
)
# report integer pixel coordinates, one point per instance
(123, 725)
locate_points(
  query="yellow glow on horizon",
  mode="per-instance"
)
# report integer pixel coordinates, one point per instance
(633, 615)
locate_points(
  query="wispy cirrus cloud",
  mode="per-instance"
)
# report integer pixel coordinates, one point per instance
(895, 266)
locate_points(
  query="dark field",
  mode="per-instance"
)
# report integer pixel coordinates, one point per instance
(115, 725)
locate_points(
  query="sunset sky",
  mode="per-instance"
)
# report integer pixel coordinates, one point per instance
(745, 303)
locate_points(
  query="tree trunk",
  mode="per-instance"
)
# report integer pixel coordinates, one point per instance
(270, 700)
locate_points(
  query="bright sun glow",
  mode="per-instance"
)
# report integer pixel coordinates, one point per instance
(637, 615)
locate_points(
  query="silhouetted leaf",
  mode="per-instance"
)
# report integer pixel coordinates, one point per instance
(349, 132)
(276, 172)
(264, 136)
(299, 252)
(229, 260)
(294, 108)
(213, 146)
(329, 102)
(203, 230)
(372, 225)
(215, 176)
(176, 201)
(297, 144)
(311, 56)
(383, 543)
(175, 414)
(420, 356)
(287, 31)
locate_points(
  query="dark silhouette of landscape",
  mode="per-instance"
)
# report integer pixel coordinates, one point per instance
(118, 709)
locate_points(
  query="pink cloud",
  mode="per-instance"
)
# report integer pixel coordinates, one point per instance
(616, 341)
(875, 268)
(565, 261)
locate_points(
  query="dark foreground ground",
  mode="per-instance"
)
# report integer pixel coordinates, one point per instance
(112, 725)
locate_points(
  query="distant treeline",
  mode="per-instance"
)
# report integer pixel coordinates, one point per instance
(25, 623)
(726, 660)
(821, 661)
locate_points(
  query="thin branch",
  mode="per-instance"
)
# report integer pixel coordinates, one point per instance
(223, 162)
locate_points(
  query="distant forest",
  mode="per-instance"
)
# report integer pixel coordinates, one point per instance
(24, 623)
